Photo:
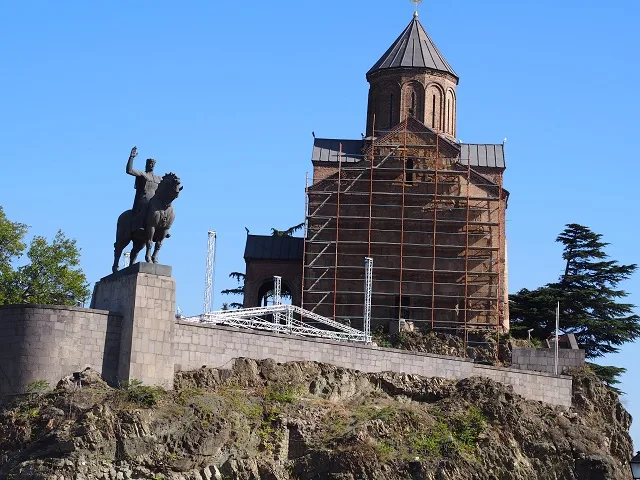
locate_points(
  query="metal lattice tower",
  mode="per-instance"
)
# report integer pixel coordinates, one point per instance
(368, 280)
(209, 276)
(277, 290)
(125, 260)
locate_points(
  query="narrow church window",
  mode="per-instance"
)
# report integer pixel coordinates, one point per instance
(412, 110)
(391, 110)
(448, 112)
(433, 113)
(409, 171)
(403, 307)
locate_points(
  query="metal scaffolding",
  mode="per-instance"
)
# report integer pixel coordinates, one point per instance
(210, 271)
(433, 224)
(282, 318)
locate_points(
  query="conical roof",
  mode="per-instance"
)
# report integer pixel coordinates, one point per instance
(413, 48)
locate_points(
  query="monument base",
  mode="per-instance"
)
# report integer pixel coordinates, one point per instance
(145, 295)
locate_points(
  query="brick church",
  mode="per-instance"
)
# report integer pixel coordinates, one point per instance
(428, 209)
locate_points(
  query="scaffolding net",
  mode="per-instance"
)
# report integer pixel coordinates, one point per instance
(431, 221)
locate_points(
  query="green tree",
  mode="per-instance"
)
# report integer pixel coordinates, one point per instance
(238, 290)
(589, 296)
(288, 232)
(52, 275)
(11, 247)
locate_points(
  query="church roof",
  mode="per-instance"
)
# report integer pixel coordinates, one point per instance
(269, 247)
(328, 150)
(413, 48)
(480, 155)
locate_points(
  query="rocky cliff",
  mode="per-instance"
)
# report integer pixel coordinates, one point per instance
(262, 420)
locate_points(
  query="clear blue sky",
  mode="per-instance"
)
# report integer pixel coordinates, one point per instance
(226, 94)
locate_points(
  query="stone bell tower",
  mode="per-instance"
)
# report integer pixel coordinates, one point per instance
(412, 79)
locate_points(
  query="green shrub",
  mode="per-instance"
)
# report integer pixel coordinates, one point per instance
(281, 394)
(136, 392)
(364, 413)
(38, 387)
(459, 433)
(467, 427)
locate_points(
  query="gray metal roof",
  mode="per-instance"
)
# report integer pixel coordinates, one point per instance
(483, 155)
(414, 48)
(480, 154)
(328, 150)
(269, 247)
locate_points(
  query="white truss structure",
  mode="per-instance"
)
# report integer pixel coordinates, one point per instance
(368, 284)
(288, 319)
(277, 290)
(210, 271)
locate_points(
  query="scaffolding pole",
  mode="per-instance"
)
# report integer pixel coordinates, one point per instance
(304, 234)
(335, 268)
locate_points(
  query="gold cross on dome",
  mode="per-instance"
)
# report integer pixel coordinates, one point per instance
(417, 2)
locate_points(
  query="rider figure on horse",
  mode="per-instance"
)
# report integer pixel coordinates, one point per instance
(145, 184)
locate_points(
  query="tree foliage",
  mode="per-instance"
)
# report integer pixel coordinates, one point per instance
(52, 275)
(288, 232)
(238, 290)
(590, 301)
(608, 374)
(589, 296)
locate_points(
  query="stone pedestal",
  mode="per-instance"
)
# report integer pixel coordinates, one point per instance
(145, 295)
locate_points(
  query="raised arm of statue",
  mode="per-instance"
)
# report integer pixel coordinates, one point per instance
(130, 169)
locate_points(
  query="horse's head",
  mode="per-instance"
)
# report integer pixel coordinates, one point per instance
(170, 186)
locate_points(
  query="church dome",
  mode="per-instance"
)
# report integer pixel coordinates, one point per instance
(413, 49)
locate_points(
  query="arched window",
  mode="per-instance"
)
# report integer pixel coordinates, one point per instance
(391, 110)
(412, 109)
(448, 114)
(433, 113)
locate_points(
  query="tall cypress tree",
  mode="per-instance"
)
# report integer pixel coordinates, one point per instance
(590, 300)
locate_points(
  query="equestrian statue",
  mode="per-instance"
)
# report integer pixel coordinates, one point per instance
(151, 216)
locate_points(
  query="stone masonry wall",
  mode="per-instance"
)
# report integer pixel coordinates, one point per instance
(542, 359)
(216, 346)
(145, 295)
(44, 342)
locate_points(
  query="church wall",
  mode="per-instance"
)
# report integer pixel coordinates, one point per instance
(259, 272)
(417, 247)
(401, 82)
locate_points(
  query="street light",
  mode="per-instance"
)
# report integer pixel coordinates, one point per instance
(635, 466)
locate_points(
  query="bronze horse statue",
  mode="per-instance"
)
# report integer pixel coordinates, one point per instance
(159, 217)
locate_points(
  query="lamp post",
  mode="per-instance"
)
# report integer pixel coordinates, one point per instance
(635, 466)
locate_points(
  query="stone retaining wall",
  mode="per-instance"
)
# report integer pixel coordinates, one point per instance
(135, 335)
(45, 342)
(542, 359)
(216, 346)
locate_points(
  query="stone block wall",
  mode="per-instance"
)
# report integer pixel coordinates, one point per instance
(44, 342)
(542, 359)
(145, 295)
(216, 346)
(543, 387)
(134, 334)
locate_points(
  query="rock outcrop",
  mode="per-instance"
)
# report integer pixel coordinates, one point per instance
(302, 420)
